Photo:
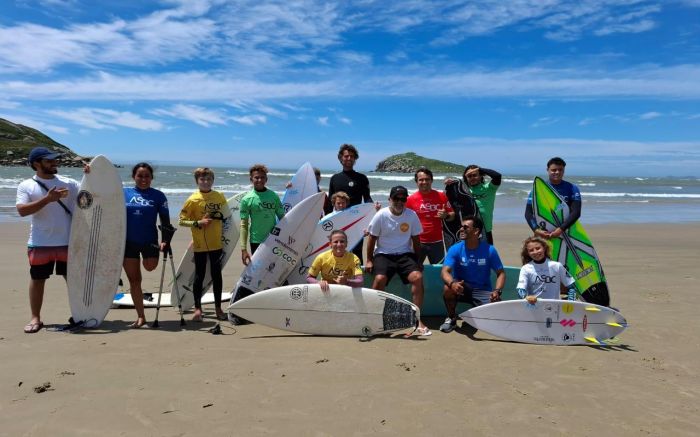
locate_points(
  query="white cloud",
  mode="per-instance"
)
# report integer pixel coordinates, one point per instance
(250, 120)
(36, 124)
(650, 115)
(545, 121)
(323, 121)
(344, 120)
(8, 104)
(254, 106)
(96, 118)
(196, 114)
(250, 37)
(675, 82)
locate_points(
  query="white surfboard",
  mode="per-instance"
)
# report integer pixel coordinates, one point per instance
(185, 270)
(353, 220)
(342, 311)
(96, 248)
(281, 251)
(124, 300)
(549, 321)
(303, 185)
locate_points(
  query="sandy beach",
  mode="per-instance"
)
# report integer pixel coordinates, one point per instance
(258, 381)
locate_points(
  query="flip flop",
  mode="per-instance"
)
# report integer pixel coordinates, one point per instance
(32, 328)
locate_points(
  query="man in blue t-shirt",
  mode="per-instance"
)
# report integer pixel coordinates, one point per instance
(568, 191)
(466, 272)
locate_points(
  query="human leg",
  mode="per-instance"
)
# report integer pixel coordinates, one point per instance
(217, 280)
(41, 261)
(200, 270)
(36, 299)
(132, 269)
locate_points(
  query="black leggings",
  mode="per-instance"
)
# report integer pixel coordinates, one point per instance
(200, 271)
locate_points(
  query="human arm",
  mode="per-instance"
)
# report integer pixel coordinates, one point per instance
(355, 279)
(369, 257)
(245, 258)
(456, 286)
(279, 209)
(188, 222)
(25, 206)
(500, 283)
(165, 225)
(366, 196)
(531, 221)
(574, 214)
(493, 174)
(415, 239)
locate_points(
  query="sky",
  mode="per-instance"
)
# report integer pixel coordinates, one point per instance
(612, 86)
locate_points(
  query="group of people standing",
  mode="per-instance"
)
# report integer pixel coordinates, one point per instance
(400, 237)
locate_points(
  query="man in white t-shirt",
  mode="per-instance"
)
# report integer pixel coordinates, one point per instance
(394, 247)
(49, 200)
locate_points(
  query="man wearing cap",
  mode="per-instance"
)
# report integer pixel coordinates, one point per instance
(394, 247)
(49, 199)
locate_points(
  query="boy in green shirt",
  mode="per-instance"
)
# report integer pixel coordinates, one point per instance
(260, 210)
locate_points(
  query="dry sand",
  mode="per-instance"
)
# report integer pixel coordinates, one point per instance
(259, 381)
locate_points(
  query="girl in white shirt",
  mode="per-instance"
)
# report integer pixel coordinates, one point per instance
(540, 276)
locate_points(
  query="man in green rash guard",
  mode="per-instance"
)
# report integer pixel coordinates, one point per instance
(260, 210)
(483, 191)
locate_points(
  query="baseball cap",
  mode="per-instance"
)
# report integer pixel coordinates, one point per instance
(38, 153)
(398, 191)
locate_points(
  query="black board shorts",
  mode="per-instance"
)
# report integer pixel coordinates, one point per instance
(403, 264)
(134, 250)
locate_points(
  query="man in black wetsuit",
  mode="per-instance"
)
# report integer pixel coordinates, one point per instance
(355, 184)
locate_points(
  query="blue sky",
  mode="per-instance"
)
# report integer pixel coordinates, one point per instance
(613, 86)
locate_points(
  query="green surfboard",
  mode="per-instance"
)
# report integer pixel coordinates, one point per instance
(573, 248)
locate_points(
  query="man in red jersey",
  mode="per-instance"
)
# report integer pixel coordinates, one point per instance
(432, 208)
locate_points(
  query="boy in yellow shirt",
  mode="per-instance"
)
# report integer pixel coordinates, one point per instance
(337, 265)
(204, 212)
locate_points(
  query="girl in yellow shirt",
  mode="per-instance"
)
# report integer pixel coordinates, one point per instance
(337, 265)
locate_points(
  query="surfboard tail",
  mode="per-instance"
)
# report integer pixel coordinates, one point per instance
(597, 294)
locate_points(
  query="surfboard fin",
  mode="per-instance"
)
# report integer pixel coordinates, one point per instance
(617, 325)
(593, 309)
(595, 341)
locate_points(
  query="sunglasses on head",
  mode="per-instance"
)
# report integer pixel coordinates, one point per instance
(399, 199)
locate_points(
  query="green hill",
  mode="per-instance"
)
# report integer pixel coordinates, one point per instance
(410, 162)
(16, 141)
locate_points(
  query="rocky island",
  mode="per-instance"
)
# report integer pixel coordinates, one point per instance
(16, 141)
(410, 162)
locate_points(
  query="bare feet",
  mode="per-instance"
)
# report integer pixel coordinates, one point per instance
(197, 317)
(138, 323)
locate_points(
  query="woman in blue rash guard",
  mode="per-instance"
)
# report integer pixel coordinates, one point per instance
(143, 206)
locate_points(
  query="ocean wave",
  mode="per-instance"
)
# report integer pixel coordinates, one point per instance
(272, 173)
(517, 181)
(391, 177)
(587, 184)
(623, 201)
(651, 195)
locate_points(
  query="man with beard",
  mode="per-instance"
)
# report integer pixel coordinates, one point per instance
(49, 199)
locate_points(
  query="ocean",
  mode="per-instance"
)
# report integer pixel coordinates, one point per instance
(606, 199)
